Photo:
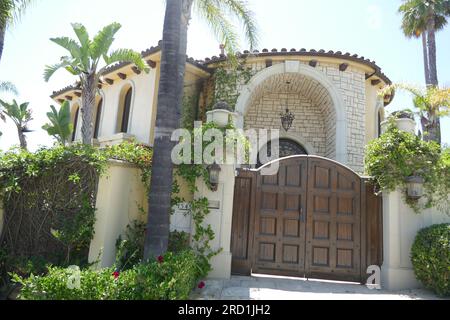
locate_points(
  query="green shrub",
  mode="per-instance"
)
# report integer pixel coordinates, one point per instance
(171, 278)
(178, 241)
(130, 249)
(431, 258)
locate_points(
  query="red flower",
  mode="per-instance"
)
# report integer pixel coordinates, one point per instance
(160, 259)
(116, 275)
(201, 285)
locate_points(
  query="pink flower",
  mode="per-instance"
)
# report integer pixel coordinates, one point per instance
(160, 259)
(116, 275)
(201, 285)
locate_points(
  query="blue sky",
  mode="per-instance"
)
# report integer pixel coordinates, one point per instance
(370, 28)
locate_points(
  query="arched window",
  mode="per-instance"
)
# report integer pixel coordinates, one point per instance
(287, 148)
(98, 117)
(124, 110)
(75, 123)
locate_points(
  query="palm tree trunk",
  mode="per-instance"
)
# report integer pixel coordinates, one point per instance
(167, 120)
(426, 61)
(432, 52)
(22, 138)
(2, 41)
(434, 130)
(89, 88)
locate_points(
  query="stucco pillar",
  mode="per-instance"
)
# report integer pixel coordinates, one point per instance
(400, 227)
(220, 219)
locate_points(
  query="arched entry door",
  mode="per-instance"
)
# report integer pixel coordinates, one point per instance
(309, 220)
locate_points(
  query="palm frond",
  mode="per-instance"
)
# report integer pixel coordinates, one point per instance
(103, 40)
(125, 55)
(8, 87)
(50, 70)
(214, 15)
(70, 45)
(85, 43)
(240, 9)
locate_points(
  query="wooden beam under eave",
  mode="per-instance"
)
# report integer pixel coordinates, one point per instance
(69, 98)
(100, 86)
(122, 76)
(343, 67)
(136, 70)
(109, 81)
(151, 63)
(375, 82)
(313, 63)
(78, 94)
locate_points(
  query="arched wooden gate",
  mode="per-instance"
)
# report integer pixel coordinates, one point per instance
(315, 218)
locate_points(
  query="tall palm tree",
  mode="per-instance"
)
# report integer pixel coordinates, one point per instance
(83, 61)
(431, 103)
(20, 114)
(173, 63)
(423, 18)
(9, 88)
(10, 12)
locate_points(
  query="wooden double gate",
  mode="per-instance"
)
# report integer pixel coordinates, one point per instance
(315, 219)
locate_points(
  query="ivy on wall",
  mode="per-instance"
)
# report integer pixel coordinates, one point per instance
(227, 81)
(397, 155)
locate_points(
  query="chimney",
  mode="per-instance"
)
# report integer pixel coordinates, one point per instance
(222, 50)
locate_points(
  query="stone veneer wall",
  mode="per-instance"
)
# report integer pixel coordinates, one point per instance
(308, 126)
(351, 84)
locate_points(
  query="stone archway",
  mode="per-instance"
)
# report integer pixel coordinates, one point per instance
(338, 129)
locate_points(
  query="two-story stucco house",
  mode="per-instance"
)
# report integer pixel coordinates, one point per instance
(332, 95)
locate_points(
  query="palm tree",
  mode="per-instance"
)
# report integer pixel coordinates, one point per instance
(10, 12)
(423, 18)
(60, 126)
(173, 63)
(21, 116)
(431, 103)
(6, 87)
(85, 56)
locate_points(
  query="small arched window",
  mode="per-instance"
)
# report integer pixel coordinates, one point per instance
(125, 110)
(98, 117)
(75, 123)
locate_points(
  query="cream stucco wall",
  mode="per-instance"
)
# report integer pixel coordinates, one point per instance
(400, 227)
(121, 196)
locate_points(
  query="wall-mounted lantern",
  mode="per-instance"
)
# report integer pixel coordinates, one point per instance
(214, 174)
(415, 187)
(287, 119)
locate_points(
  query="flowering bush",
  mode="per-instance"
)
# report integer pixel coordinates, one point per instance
(171, 278)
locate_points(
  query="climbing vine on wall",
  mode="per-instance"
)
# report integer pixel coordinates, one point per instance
(227, 80)
(397, 155)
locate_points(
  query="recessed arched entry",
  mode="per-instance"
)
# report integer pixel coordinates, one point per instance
(315, 218)
(303, 80)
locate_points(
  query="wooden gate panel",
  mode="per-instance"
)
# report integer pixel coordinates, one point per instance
(315, 218)
(333, 244)
(243, 224)
(280, 228)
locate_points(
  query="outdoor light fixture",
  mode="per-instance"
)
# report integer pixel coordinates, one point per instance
(214, 173)
(415, 187)
(287, 119)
